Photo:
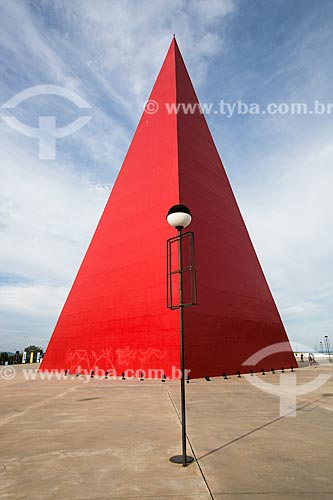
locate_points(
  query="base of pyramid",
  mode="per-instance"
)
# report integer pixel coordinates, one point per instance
(82, 364)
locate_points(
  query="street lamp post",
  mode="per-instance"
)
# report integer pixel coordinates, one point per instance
(179, 217)
(328, 347)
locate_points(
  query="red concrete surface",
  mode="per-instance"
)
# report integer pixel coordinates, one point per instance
(115, 317)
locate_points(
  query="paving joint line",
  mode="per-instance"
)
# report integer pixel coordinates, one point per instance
(6, 420)
(192, 449)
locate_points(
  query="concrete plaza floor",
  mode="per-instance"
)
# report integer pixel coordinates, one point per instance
(112, 439)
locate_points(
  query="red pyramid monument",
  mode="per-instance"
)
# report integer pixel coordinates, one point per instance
(115, 317)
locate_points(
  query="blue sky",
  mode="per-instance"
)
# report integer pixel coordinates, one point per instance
(109, 53)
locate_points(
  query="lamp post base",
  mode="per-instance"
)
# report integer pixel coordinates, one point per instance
(178, 459)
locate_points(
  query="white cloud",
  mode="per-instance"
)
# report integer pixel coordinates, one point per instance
(49, 211)
(289, 212)
(31, 311)
(27, 300)
(125, 42)
(210, 11)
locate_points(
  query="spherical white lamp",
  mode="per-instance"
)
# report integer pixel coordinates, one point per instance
(179, 216)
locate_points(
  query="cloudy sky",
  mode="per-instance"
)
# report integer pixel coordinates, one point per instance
(109, 53)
